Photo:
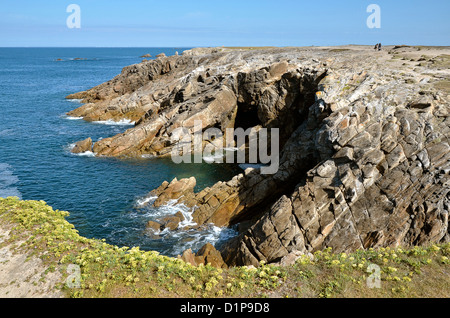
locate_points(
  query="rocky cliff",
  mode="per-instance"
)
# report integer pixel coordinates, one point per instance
(364, 149)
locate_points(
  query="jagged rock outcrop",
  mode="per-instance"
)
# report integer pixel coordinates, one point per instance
(171, 92)
(173, 190)
(365, 155)
(372, 192)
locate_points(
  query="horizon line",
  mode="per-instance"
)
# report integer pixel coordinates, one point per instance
(208, 46)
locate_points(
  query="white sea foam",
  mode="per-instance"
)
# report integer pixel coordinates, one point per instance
(148, 156)
(81, 154)
(196, 238)
(168, 209)
(73, 118)
(75, 100)
(85, 154)
(220, 234)
(109, 122)
(8, 182)
(144, 201)
(185, 235)
(187, 214)
(171, 208)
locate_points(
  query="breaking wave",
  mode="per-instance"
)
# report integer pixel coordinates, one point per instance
(69, 148)
(122, 122)
(188, 235)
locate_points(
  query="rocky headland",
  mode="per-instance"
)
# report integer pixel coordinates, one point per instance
(364, 149)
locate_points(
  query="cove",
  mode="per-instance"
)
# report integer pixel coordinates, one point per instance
(101, 194)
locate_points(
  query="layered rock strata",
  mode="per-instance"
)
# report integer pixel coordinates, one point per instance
(365, 156)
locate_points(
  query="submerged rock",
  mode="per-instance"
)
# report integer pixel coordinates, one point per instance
(170, 222)
(154, 226)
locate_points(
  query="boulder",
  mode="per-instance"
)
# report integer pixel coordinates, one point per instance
(189, 257)
(153, 229)
(209, 255)
(180, 216)
(155, 226)
(170, 222)
(82, 146)
(206, 255)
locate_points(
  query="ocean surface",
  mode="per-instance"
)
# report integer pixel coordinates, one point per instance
(104, 196)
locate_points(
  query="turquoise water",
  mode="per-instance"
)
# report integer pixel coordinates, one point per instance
(101, 194)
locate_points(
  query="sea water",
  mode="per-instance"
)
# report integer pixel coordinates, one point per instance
(104, 196)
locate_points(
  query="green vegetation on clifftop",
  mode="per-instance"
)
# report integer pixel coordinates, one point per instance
(112, 271)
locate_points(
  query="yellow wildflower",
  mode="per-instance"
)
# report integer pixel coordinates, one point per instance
(335, 262)
(435, 248)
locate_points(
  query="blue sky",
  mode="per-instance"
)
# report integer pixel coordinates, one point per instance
(174, 23)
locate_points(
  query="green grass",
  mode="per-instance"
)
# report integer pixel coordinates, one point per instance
(119, 272)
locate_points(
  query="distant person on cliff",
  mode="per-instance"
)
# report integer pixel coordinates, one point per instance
(379, 46)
